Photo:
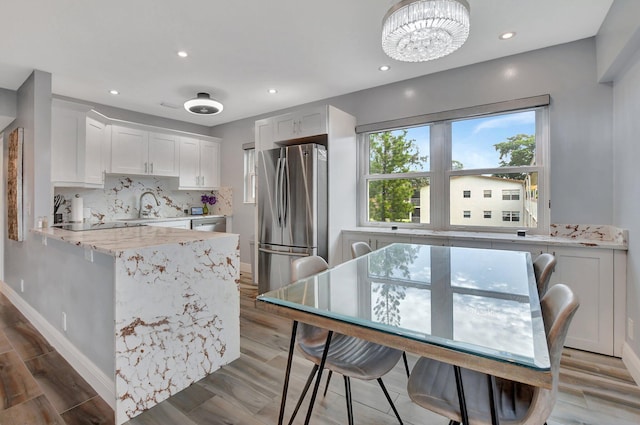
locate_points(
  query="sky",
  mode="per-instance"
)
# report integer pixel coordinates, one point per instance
(473, 139)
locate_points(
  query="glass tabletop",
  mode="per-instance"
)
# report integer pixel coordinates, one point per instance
(479, 301)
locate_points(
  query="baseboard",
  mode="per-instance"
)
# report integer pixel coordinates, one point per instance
(632, 362)
(98, 380)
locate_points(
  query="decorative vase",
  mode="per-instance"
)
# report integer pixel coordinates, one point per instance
(205, 210)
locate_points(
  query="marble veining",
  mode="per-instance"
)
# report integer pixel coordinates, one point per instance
(590, 232)
(177, 318)
(120, 198)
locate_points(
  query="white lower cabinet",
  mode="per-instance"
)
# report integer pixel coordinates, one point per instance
(589, 273)
(176, 224)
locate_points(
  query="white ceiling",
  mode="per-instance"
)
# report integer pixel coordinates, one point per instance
(308, 50)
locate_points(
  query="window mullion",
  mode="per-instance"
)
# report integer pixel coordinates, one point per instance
(440, 154)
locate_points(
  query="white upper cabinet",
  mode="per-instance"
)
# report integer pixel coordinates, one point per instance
(135, 151)
(164, 154)
(293, 125)
(77, 144)
(199, 164)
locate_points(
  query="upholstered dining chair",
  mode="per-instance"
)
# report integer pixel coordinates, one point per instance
(359, 249)
(351, 357)
(543, 267)
(432, 384)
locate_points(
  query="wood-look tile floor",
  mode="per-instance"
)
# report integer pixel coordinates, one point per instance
(38, 387)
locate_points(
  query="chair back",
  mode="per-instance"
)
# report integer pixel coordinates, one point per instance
(307, 266)
(559, 305)
(543, 267)
(359, 249)
(304, 267)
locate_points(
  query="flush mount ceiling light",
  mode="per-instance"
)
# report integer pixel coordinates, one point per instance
(422, 30)
(203, 105)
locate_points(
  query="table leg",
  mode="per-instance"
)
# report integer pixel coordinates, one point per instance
(287, 374)
(461, 399)
(491, 382)
(317, 385)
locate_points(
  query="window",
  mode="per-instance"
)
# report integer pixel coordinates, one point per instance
(511, 216)
(511, 195)
(414, 170)
(249, 174)
(398, 184)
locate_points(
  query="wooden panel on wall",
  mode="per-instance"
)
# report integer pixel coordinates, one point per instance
(14, 186)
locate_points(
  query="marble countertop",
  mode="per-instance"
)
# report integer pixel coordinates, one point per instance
(577, 238)
(113, 241)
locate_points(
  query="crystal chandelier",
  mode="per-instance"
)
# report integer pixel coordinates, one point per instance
(422, 30)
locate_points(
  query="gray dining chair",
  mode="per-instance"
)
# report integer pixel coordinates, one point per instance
(432, 384)
(543, 267)
(359, 249)
(351, 357)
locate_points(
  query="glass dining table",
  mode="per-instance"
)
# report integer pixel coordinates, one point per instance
(472, 308)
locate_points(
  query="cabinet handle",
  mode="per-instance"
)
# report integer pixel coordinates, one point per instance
(203, 180)
(145, 168)
(152, 168)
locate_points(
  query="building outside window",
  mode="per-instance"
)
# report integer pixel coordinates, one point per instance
(413, 175)
(249, 173)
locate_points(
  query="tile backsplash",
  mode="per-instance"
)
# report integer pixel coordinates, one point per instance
(120, 198)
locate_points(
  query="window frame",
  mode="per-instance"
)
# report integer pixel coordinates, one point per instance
(441, 170)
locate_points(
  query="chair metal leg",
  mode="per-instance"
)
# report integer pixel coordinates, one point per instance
(452, 422)
(386, 394)
(347, 393)
(491, 382)
(326, 387)
(461, 399)
(287, 374)
(317, 385)
(406, 363)
(314, 370)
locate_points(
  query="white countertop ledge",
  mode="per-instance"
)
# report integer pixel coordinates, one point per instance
(114, 241)
(578, 238)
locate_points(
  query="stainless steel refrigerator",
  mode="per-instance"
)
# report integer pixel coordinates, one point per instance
(292, 210)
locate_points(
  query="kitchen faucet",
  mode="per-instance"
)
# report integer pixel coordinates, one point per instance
(144, 212)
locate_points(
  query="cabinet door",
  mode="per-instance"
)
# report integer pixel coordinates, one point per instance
(209, 164)
(189, 163)
(382, 241)
(65, 137)
(284, 127)
(312, 122)
(589, 273)
(93, 160)
(129, 151)
(163, 154)
(264, 134)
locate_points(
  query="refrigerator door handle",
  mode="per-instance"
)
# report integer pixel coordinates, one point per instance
(277, 189)
(290, 254)
(286, 191)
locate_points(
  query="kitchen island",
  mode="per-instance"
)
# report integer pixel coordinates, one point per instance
(147, 310)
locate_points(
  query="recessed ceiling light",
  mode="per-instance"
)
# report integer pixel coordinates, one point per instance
(507, 35)
(114, 92)
(183, 54)
(272, 91)
(384, 68)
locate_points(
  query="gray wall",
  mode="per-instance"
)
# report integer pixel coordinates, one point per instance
(581, 123)
(8, 102)
(618, 51)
